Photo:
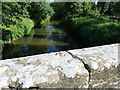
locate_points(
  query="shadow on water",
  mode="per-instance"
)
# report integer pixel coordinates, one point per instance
(42, 40)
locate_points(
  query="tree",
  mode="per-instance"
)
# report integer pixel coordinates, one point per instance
(15, 20)
(90, 9)
(103, 7)
(77, 9)
(12, 10)
(59, 10)
(73, 9)
(40, 11)
(116, 11)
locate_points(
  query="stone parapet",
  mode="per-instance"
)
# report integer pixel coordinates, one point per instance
(95, 67)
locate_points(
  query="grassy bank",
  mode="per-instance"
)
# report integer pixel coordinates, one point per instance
(93, 31)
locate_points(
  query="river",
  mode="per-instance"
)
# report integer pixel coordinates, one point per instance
(40, 40)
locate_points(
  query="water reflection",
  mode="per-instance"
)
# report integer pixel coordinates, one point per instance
(52, 49)
(42, 40)
(49, 27)
(25, 51)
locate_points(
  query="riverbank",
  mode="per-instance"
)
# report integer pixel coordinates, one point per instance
(46, 39)
(22, 27)
(18, 18)
(89, 31)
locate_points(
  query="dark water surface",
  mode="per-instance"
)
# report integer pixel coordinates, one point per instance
(39, 41)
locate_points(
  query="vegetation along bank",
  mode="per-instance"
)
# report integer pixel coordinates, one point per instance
(18, 18)
(89, 23)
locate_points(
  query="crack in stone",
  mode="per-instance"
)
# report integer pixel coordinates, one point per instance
(87, 67)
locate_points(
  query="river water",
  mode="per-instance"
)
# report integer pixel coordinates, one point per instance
(41, 40)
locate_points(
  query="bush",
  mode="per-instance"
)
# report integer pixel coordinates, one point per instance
(94, 31)
(12, 32)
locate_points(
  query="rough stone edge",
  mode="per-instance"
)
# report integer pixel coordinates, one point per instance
(87, 67)
(118, 62)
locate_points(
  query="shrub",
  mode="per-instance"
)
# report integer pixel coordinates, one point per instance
(94, 31)
(12, 32)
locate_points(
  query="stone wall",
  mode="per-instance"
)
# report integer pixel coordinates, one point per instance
(95, 67)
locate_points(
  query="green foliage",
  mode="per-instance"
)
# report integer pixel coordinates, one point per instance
(12, 32)
(94, 31)
(103, 7)
(116, 10)
(15, 18)
(1, 44)
(113, 9)
(59, 10)
(78, 9)
(83, 19)
(73, 9)
(11, 10)
(40, 12)
(15, 22)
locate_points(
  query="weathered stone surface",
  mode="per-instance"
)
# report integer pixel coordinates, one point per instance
(105, 65)
(95, 67)
(58, 70)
